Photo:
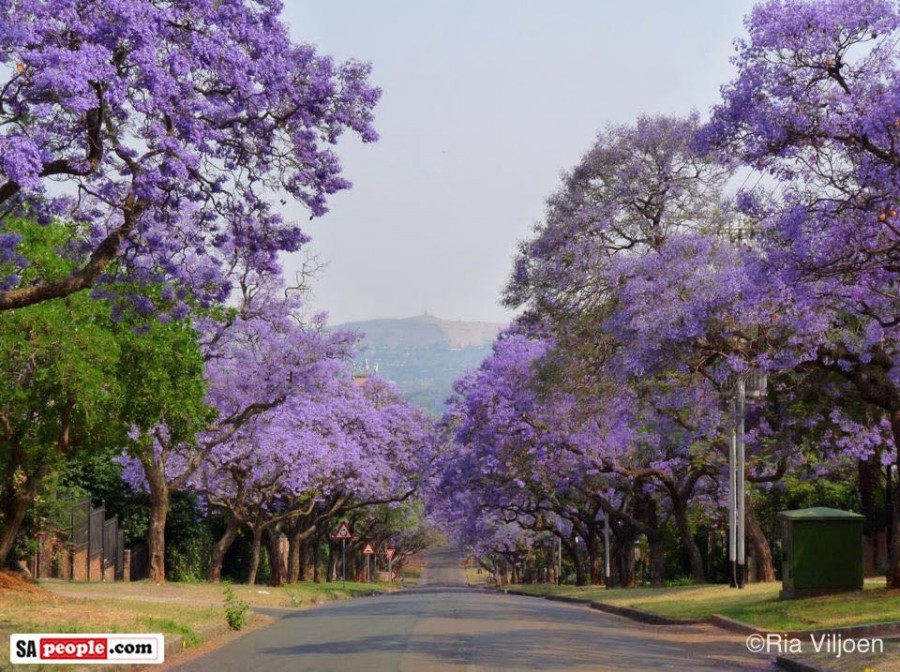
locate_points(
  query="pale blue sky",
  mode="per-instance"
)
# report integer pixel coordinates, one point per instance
(484, 104)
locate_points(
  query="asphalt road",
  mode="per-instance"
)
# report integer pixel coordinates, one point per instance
(444, 626)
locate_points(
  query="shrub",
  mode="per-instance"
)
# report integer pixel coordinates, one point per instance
(236, 611)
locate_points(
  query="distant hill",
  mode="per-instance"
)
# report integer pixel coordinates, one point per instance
(423, 355)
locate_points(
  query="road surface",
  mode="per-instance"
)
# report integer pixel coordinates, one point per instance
(444, 626)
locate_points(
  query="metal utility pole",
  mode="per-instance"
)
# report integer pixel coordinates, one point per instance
(732, 502)
(753, 385)
(606, 550)
(559, 561)
(739, 491)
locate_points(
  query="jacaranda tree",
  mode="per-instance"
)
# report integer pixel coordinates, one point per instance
(168, 130)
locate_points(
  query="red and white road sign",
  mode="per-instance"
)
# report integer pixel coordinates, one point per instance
(389, 553)
(369, 549)
(343, 532)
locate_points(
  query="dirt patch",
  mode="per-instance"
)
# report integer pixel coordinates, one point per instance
(13, 582)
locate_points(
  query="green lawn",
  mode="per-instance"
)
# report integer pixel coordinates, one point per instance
(757, 604)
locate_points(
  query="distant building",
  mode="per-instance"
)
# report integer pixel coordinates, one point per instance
(361, 375)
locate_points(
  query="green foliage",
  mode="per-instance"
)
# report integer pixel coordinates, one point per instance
(60, 396)
(59, 359)
(161, 369)
(98, 475)
(236, 611)
(41, 246)
(77, 383)
(794, 492)
(188, 541)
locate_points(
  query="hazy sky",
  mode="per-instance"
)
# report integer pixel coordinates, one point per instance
(484, 105)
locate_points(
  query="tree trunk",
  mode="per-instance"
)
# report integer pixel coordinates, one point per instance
(254, 556)
(277, 567)
(868, 479)
(159, 510)
(13, 515)
(657, 559)
(296, 559)
(622, 560)
(334, 557)
(303, 566)
(581, 574)
(759, 547)
(15, 508)
(595, 559)
(698, 574)
(893, 574)
(220, 548)
(317, 544)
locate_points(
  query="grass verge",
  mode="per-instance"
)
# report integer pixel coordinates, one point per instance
(172, 608)
(757, 604)
(294, 595)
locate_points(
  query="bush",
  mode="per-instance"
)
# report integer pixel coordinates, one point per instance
(236, 611)
(188, 560)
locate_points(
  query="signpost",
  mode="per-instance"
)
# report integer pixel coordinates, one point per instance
(343, 533)
(368, 551)
(389, 553)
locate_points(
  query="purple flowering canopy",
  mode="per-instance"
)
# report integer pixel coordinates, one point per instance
(164, 133)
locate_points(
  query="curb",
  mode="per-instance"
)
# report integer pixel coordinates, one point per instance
(886, 629)
(734, 625)
(626, 612)
(796, 665)
(645, 616)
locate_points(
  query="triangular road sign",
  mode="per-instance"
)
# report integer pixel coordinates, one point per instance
(389, 553)
(369, 549)
(343, 532)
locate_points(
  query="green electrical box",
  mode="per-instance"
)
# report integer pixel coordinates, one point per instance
(822, 552)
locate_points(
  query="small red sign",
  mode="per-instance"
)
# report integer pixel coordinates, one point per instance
(343, 532)
(369, 550)
(389, 553)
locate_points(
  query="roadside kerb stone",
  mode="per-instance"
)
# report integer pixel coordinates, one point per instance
(810, 665)
(627, 612)
(792, 665)
(861, 631)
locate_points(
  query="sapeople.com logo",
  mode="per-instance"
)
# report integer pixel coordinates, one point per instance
(67, 649)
